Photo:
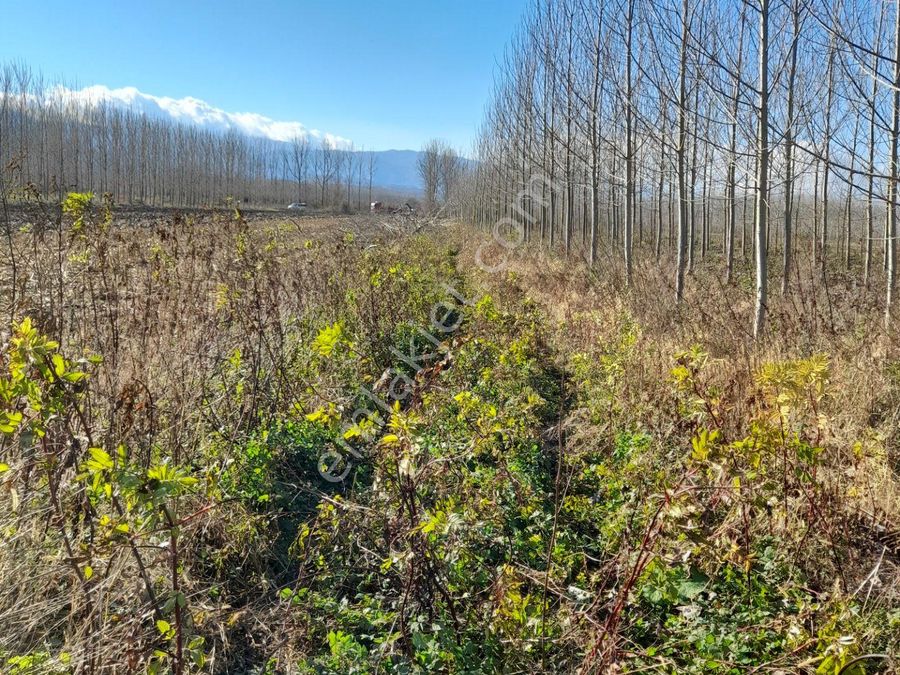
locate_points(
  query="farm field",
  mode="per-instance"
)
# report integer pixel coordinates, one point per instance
(319, 445)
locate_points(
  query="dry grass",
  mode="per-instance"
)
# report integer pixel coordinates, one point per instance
(202, 320)
(843, 321)
(167, 298)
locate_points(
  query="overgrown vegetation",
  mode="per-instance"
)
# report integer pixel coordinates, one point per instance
(541, 471)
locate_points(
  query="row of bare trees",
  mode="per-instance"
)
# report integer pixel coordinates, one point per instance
(56, 144)
(441, 171)
(700, 130)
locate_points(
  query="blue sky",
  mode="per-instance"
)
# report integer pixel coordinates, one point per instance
(388, 74)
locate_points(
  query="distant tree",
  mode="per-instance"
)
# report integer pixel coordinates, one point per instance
(349, 162)
(370, 163)
(440, 169)
(450, 172)
(298, 150)
(429, 165)
(326, 166)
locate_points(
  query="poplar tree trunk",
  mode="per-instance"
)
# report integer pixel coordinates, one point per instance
(629, 145)
(892, 185)
(762, 177)
(679, 150)
(789, 157)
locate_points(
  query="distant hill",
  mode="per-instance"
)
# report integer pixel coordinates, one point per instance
(396, 170)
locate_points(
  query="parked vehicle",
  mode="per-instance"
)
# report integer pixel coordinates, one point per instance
(297, 206)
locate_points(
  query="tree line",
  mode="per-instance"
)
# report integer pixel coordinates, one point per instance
(52, 143)
(442, 172)
(701, 130)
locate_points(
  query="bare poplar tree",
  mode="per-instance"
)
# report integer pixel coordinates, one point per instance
(680, 153)
(298, 161)
(429, 165)
(891, 235)
(370, 164)
(762, 176)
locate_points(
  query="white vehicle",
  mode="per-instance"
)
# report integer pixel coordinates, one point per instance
(297, 206)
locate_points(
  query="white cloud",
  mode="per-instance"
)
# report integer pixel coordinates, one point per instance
(193, 111)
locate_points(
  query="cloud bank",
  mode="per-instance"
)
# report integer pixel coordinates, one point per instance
(191, 110)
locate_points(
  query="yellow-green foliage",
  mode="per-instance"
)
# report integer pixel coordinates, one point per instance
(796, 390)
(39, 381)
(76, 205)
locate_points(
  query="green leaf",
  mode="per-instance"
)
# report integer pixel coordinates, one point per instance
(13, 419)
(690, 589)
(59, 365)
(99, 461)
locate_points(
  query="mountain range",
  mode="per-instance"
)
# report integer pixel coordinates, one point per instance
(397, 170)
